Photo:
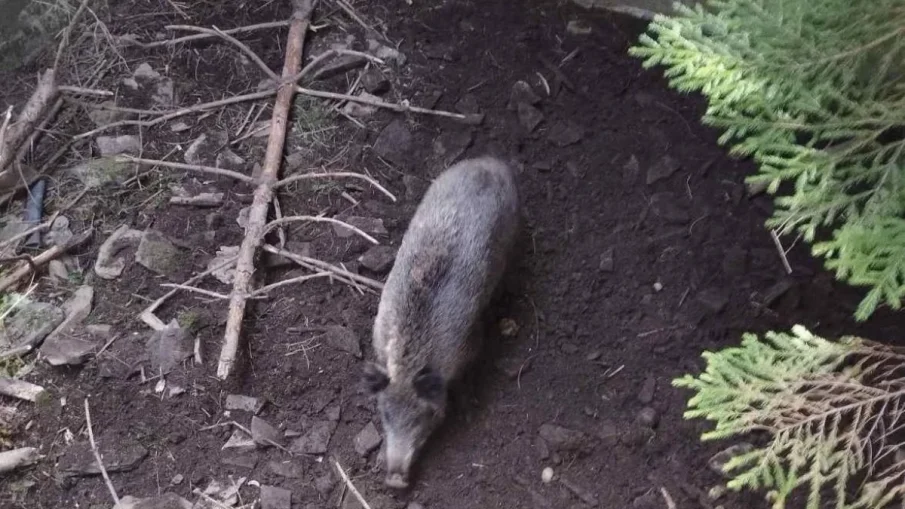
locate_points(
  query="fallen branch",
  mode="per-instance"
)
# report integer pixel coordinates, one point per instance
(189, 167)
(300, 279)
(196, 37)
(32, 112)
(42, 259)
(314, 264)
(20, 389)
(245, 49)
(17, 458)
(97, 454)
(335, 174)
(257, 215)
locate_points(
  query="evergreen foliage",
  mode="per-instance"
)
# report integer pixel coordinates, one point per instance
(813, 91)
(834, 412)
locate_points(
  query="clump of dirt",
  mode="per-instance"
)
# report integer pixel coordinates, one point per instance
(641, 250)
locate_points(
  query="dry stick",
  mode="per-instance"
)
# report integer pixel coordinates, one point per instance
(21, 389)
(33, 110)
(33, 137)
(67, 33)
(332, 53)
(84, 91)
(315, 264)
(317, 219)
(196, 37)
(97, 454)
(189, 167)
(378, 103)
(24, 269)
(335, 174)
(781, 251)
(195, 289)
(352, 488)
(257, 215)
(148, 315)
(178, 113)
(300, 279)
(245, 49)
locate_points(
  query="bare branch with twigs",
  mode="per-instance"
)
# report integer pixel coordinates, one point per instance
(335, 174)
(315, 264)
(239, 44)
(301, 18)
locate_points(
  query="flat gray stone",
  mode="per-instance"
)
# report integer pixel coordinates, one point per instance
(101, 171)
(243, 403)
(367, 440)
(30, 324)
(263, 433)
(378, 259)
(287, 468)
(565, 133)
(343, 339)
(120, 453)
(116, 145)
(394, 142)
(168, 348)
(316, 438)
(158, 254)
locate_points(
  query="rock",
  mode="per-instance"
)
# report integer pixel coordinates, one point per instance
(630, 171)
(378, 259)
(719, 460)
(339, 65)
(57, 271)
(121, 454)
(529, 116)
(166, 501)
(562, 134)
(169, 347)
(648, 417)
(367, 440)
(263, 433)
(664, 168)
(607, 260)
(101, 171)
(467, 105)
(522, 93)
(775, 292)
(104, 114)
(243, 403)
(508, 327)
(177, 480)
(579, 27)
(316, 439)
(370, 225)
(224, 274)
(239, 440)
(130, 83)
(546, 475)
(646, 394)
(29, 323)
(229, 160)
(275, 498)
(361, 110)
(375, 82)
(179, 127)
(156, 253)
(193, 154)
(144, 71)
(240, 458)
(107, 266)
(394, 142)
(59, 233)
(450, 145)
(116, 145)
(72, 348)
(714, 299)
(666, 206)
(562, 439)
(385, 53)
(164, 93)
(343, 339)
(288, 468)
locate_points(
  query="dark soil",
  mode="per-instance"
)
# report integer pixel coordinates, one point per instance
(691, 265)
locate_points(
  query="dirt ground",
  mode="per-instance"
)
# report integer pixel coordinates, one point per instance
(642, 249)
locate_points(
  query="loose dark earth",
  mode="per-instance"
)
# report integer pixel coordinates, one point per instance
(642, 250)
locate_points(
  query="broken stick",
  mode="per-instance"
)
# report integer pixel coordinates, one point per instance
(20, 389)
(257, 215)
(26, 268)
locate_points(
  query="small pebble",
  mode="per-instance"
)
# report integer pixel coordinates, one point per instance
(547, 475)
(658, 286)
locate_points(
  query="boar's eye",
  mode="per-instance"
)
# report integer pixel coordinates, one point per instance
(429, 385)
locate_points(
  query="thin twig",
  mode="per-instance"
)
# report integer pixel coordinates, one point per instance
(189, 167)
(245, 49)
(335, 174)
(781, 251)
(188, 38)
(402, 108)
(195, 289)
(670, 503)
(178, 113)
(332, 53)
(300, 279)
(67, 33)
(352, 488)
(148, 315)
(97, 454)
(315, 264)
(318, 219)
(26, 268)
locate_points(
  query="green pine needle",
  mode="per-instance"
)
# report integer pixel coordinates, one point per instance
(832, 409)
(812, 91)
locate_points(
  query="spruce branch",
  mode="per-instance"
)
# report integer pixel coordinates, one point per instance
(834, 412)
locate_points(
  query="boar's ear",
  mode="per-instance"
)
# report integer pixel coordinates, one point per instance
(375, 378)
(429, 385)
